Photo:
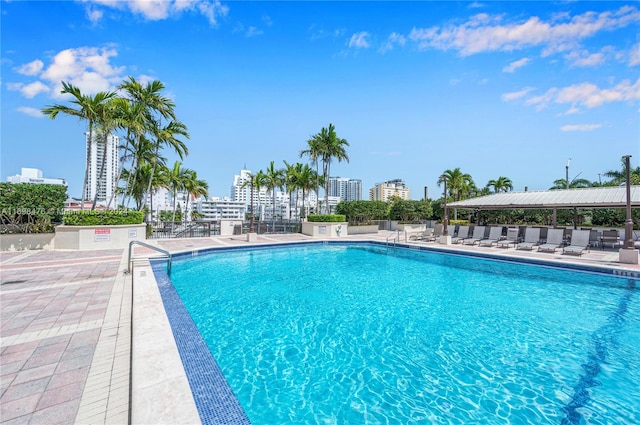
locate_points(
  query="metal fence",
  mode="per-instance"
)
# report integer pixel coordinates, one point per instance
(167, 230)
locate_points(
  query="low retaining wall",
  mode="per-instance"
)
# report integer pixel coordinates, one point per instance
(325, 230)
(26, 241)
(362, 230)
(98, 237)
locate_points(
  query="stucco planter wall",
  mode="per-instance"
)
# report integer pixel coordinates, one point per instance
(98, 237)
(26, 241)
(409, 228)
(361, 230)
(325, 230)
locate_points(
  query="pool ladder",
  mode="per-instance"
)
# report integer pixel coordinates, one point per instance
(165, 254)
(393, 238)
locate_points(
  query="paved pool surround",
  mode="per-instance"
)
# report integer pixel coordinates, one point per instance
(66, 335)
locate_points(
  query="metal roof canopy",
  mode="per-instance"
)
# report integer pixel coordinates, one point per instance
(592, 197)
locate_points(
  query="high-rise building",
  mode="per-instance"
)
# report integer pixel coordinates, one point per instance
(345, 188)
(384, 191)
(102, 182)
(241, 190)
(33, 176)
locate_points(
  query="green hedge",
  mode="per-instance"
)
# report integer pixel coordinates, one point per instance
(327, 218)
(103, 217)
(30, 208)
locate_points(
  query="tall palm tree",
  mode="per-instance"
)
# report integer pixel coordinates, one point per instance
(194, 187)
(307, 181)
(273, 179)
(89, 108)
(575, 183)
(501, 184)
(334, 148)
(176, 180)
(620, 177)
(252, 183)
(459, 184)
(314, 151)
(166, 136)
(291, 177)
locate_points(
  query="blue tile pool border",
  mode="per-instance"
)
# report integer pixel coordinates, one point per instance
(214, 398)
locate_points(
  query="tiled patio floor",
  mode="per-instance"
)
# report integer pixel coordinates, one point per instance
(66, 326)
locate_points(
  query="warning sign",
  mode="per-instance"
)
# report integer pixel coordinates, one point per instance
(102, 235)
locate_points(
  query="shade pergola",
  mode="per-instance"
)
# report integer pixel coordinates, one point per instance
(592, 197)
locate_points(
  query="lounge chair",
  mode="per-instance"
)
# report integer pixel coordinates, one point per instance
(579, 242)
(421, 236)
(531, 238)
(437, 232)
(478, 235)
(610, 237)
(463, 233)
(555, 239)
(512, 238)
(495, 234)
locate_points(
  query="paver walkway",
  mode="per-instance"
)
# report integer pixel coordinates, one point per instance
(62, 360)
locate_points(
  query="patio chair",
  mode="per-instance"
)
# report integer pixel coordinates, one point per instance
(422, 236)
(478, 235)
(463, 233)
(495, 234)
(512, 238)
(555, 239)
(610, 237)
(437, 232)
(579, 242)
(531, 238)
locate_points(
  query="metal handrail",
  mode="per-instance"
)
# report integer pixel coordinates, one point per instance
(396, 238)
(155, 248)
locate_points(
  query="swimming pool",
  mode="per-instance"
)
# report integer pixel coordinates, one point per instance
(358, 334)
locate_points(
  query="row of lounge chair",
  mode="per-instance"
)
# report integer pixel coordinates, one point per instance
(580, 240)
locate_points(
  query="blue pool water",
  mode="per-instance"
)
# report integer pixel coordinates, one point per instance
(356, 334)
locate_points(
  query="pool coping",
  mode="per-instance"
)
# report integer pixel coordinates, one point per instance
(221, 406)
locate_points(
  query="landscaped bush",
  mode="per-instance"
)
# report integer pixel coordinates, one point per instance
(363, 212)
(103, 217)
(327, 218)
(30, 208)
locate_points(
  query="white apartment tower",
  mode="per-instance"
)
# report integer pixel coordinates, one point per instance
(345, 188)
(102, 182)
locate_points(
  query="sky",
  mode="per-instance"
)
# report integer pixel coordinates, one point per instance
(498, 89)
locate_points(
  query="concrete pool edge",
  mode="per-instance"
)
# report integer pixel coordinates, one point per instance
(176, 366)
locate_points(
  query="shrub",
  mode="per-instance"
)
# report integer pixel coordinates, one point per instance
(30, 208)
(363, 212)
(103, 217)
(327, 218)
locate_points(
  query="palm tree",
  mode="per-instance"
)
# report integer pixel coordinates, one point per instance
(194, 187)
(273, 179)
(334, 147)
(460, 184)
(291, 174)
(620, 177)
(314, 152)
(176, 180)
(307, 180)
(252, 183)
(89, 108)
(575, 183)
(501, 184)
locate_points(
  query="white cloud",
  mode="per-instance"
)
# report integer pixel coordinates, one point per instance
(253, 31)
(485, 33)
(359, 40)
(516, 64)
(517, 94)
(32, 112)
(580, 127)
(581, 96)
(634, 55)
(31, 68)
(31, 90)
(155, 10)
(393, 40)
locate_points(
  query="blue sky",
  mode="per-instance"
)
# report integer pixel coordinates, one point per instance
(495, 88)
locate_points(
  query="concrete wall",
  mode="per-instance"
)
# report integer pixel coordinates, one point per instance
(98, 237)
(361, 230)
(25, 241)
(325, 230)
(228, 224)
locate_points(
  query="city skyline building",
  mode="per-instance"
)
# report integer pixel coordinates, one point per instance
(384, 191)
(34, 176)
(101, 182)
(345, 188)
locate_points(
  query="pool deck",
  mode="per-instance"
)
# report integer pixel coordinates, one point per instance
(66, 331)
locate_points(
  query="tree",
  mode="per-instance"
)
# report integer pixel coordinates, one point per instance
(573, 184)
(194, 187)
(273, 179)
(177, 182)
(89, 108)
(291, 179)
(501, 184)
(307, 181)
(459, 184)
(326, 145)
(620, 177)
